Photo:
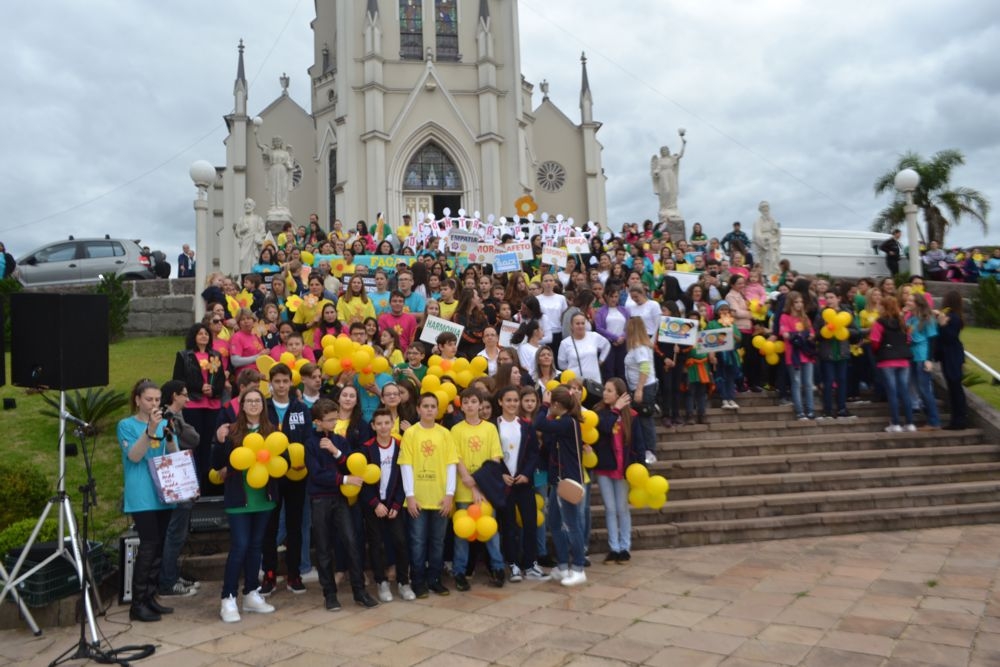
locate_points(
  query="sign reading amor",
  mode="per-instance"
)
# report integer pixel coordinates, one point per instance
(434, 326)
(483, 253)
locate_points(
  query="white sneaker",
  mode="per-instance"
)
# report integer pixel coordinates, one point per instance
(384, 594)
(253, 602)
(650, 458)
(535, 573)
(557, 574)
(910, 428)
(515, 574)
(311, 575)
(733, 405)
(407, 593)
(229, 612)
(574, 578)
(893, 428)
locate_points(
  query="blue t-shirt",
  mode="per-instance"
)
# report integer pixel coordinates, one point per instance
(381, 302)
(415, 304)
(140, 493)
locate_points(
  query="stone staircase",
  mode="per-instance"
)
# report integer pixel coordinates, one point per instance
(760, 474)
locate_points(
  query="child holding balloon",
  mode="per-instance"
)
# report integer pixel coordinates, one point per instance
(248, 508)
(618, 446)
(330, 485)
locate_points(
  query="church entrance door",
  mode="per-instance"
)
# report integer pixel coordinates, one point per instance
(450, 202)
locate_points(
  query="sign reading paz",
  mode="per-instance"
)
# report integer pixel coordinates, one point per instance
(434, 326)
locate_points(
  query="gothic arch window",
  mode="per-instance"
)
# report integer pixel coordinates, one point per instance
(411, 29)
(446, 28)
(432, 169)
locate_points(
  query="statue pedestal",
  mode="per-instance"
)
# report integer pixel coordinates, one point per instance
(675, 224)
(276, 219)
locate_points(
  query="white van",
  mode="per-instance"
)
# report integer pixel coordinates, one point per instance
(839, 253)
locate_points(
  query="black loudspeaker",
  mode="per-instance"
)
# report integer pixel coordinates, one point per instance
(59, 341)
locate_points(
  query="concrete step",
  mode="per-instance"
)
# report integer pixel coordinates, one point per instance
(787, 414)
(810, 442)
(727, 465)
(771, 428)
(700, 533)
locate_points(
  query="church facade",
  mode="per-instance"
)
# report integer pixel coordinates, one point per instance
(417, 106)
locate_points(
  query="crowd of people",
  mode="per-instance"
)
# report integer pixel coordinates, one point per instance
(586, 336)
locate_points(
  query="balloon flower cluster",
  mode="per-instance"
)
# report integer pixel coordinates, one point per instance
(261, 457)
(475, 522)
(836, 324)
(646, 490)
(769, 348)
(358, 466)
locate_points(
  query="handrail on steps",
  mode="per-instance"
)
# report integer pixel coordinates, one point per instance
(994, 374)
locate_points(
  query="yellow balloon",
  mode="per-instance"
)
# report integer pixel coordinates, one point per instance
(589, 459)
(299, 363)
(366, 379)
(265, 388)
(360, 360)
(356, 464)
(277, 466)
(327, 341)
(307, 258)
(566, 376)
(459, 513)
(287, 358)
(450, 390)
(369, 352)
(264, 364)
(430, 383)
(297, 454)
(539, 518)
(842, 334)
(241, 458)
(343, 346)
(772, 359)
(486, 528)
(757, 341)
(214, 477)
(442, 396)
(463, 378)
(825, 332)
(657, 501)
(464, 527)
(478, 365)
(349, 490)
(380, 364)
(296, 377)
(589, 418)
(257, 476)
(372, 474)
(485, 508)
(460, 365)
(517, 516)
(829, 315)
(253, 441)
(583, 394)
(768, 347)
(638, 497)
(779, 347)
(589, 435)
(551, 384)
(329, 351)
(844, 319)
(539, 502)
(434, 360)
(296, 475)
(331, 367)
(276, 443)
(656, 485)
(637, 475)
(436, 371)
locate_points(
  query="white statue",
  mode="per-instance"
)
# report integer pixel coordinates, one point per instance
(250, 232)
(664, 170)
(767, 240)
(279, 165)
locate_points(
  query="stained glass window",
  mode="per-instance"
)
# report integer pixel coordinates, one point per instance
(432, 169)
(411, 29)
(446, 27)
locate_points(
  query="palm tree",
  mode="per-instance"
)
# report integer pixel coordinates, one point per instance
(942, 205)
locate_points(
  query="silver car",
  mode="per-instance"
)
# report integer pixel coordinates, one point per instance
(85, 260)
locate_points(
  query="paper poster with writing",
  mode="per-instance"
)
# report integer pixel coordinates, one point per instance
(678, 331)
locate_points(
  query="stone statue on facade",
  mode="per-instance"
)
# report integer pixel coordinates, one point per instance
(664, 170)
(767, 240)
(279, 166)
(250, 233)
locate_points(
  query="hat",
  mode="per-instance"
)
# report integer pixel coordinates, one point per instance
(722, 303)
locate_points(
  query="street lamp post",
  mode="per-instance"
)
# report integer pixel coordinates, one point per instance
(906, 182)
(203, 175)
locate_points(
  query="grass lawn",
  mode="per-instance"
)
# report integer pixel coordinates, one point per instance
(985, 344)
(30, 438)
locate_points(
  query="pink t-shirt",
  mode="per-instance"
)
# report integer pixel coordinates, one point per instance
(789, 324)
(205, 402)
(244, 344)
(405, 326)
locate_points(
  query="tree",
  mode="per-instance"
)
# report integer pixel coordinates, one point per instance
(942, 205)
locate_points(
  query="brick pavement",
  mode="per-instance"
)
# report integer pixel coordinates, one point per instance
(914, 598)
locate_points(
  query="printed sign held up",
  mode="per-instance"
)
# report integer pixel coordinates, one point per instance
(506, 262)
(716, 340)
(554, 256)
(434, 326)
(678, 331)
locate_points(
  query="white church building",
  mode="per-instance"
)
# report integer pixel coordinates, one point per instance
(417, 105)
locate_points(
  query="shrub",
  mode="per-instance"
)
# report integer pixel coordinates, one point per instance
(119, 303)
(8, 286)
(23, 492)
(17, 534)
(986, 303)
(96, 406)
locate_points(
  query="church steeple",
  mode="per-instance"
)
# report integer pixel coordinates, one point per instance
(484, 11)
(586, 99)
(240, 86)
(372, 10)
(240, 73)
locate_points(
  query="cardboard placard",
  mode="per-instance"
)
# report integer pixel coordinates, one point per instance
(577, 245)
(716, 340)
(522, 248)
(174, 476)
(678, 330)
(554, 256)
(463, 241)
(506, 262)
(433, 326)
(483, 253)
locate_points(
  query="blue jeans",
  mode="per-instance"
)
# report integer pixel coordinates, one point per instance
(585, 518)
(697, 394)
(427, 547)
(173, 542)
(802, 388)
(564, 519)
(460, 559)
(246, 537)
(614, 493)
(305, 563)
(834, 372)
(896, 381)
(725, 380)
(925, 387)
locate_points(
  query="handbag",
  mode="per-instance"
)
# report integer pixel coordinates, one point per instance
(571, 490)
(595, 391)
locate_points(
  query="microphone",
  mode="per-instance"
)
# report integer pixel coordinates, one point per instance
(75, 420)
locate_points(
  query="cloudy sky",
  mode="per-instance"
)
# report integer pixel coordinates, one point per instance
(804, 104)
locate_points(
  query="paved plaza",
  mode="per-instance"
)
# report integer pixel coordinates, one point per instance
(927, 597)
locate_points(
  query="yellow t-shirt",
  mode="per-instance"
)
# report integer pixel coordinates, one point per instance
(350, 310)
(305, 314)
(476, 445)
(448, 309)
(429, 451)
